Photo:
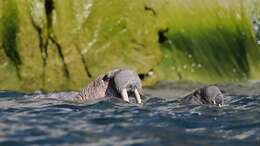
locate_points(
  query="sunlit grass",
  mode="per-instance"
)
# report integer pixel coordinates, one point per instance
(208, 40)
(202, 40)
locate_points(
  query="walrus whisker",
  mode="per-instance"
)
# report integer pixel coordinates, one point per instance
(137, 96)
(124, 95)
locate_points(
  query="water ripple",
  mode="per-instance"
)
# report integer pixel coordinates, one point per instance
(25, 120)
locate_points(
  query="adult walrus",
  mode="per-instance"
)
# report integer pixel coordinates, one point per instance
(208, 95)
(116, 83)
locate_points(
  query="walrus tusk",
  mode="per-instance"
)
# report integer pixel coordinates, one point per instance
(124, 95)
(214, 102)
(137, 97)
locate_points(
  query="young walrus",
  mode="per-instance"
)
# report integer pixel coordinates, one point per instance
(116, 83)
(210, 95)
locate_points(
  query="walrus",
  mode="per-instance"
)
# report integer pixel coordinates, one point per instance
(210, 95)
(116, 83)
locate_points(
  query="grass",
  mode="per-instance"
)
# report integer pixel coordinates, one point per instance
(207, 40)
(202, 40)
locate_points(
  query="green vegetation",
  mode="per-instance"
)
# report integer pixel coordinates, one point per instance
(10, 60)
(63, 44)
(207, 41)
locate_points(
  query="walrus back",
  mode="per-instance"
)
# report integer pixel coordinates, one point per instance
(95, 90)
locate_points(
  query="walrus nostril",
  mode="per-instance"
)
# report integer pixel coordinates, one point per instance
(131, 87)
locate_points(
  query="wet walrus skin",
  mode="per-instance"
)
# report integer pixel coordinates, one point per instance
(210, 95)
(116, 83)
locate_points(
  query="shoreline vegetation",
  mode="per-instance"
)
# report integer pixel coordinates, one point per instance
(57, 45)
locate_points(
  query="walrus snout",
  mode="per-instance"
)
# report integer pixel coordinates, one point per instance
(219, 100)
(213, 95)
(128, 81)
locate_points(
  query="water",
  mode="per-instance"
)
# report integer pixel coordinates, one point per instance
(26, 119)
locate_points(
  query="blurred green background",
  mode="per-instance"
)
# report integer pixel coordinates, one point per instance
(63, 44)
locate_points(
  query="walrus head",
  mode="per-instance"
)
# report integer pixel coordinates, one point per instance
(125, 82)
(212, 95)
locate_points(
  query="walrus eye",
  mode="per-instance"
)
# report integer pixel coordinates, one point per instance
(105, 78)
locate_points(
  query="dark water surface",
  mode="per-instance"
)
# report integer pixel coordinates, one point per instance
(26, 119)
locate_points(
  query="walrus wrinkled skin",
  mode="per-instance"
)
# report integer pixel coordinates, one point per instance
(116, 83)
(210, 95)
